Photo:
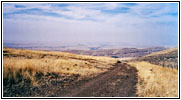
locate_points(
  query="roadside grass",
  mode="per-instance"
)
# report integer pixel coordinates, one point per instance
(155, 80)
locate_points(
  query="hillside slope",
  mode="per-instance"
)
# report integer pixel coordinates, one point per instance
(155, 80)
(26, 71)
(118, 53)
(168, 58)
(157, 74)
(47, 73)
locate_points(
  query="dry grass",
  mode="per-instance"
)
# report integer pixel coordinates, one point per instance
(27, 63)
(163, 52)
(156, 81)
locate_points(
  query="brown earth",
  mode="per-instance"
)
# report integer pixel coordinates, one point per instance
(118, 81)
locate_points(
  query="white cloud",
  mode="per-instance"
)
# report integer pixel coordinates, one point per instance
(78, 12)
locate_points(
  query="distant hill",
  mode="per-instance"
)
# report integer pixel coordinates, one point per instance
(60, 46)
(118, 53)
(167, 58)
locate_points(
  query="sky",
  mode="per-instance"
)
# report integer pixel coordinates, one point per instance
(138, 23)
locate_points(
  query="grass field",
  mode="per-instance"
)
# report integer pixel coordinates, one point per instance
(156, 81)
(23, 70)
(28, 63)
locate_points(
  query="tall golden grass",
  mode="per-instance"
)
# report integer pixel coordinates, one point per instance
(156, 81)
(27, 63)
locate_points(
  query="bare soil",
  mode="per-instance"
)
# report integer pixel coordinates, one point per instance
(119, 81)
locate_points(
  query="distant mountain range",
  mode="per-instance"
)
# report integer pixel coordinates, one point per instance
(93, 49)
(59, 46)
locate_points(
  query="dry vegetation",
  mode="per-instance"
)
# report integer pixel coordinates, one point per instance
(119, 53)
(64, 63)
(30, 67)
(27, 71)
(163, 52)
(156, 81)
(166, 58)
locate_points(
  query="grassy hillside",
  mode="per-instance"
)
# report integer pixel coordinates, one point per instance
(163, 52)
(118, 53)
(157, 74)
(155, 80)
(25, 70)
(168, 58)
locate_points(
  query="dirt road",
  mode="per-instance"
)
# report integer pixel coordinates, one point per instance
(119, 81)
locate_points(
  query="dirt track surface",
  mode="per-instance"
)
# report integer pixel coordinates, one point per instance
(119, 81)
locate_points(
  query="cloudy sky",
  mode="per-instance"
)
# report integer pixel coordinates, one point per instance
(138, 23)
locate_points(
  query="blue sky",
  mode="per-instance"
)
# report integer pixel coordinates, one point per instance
(138, 23)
